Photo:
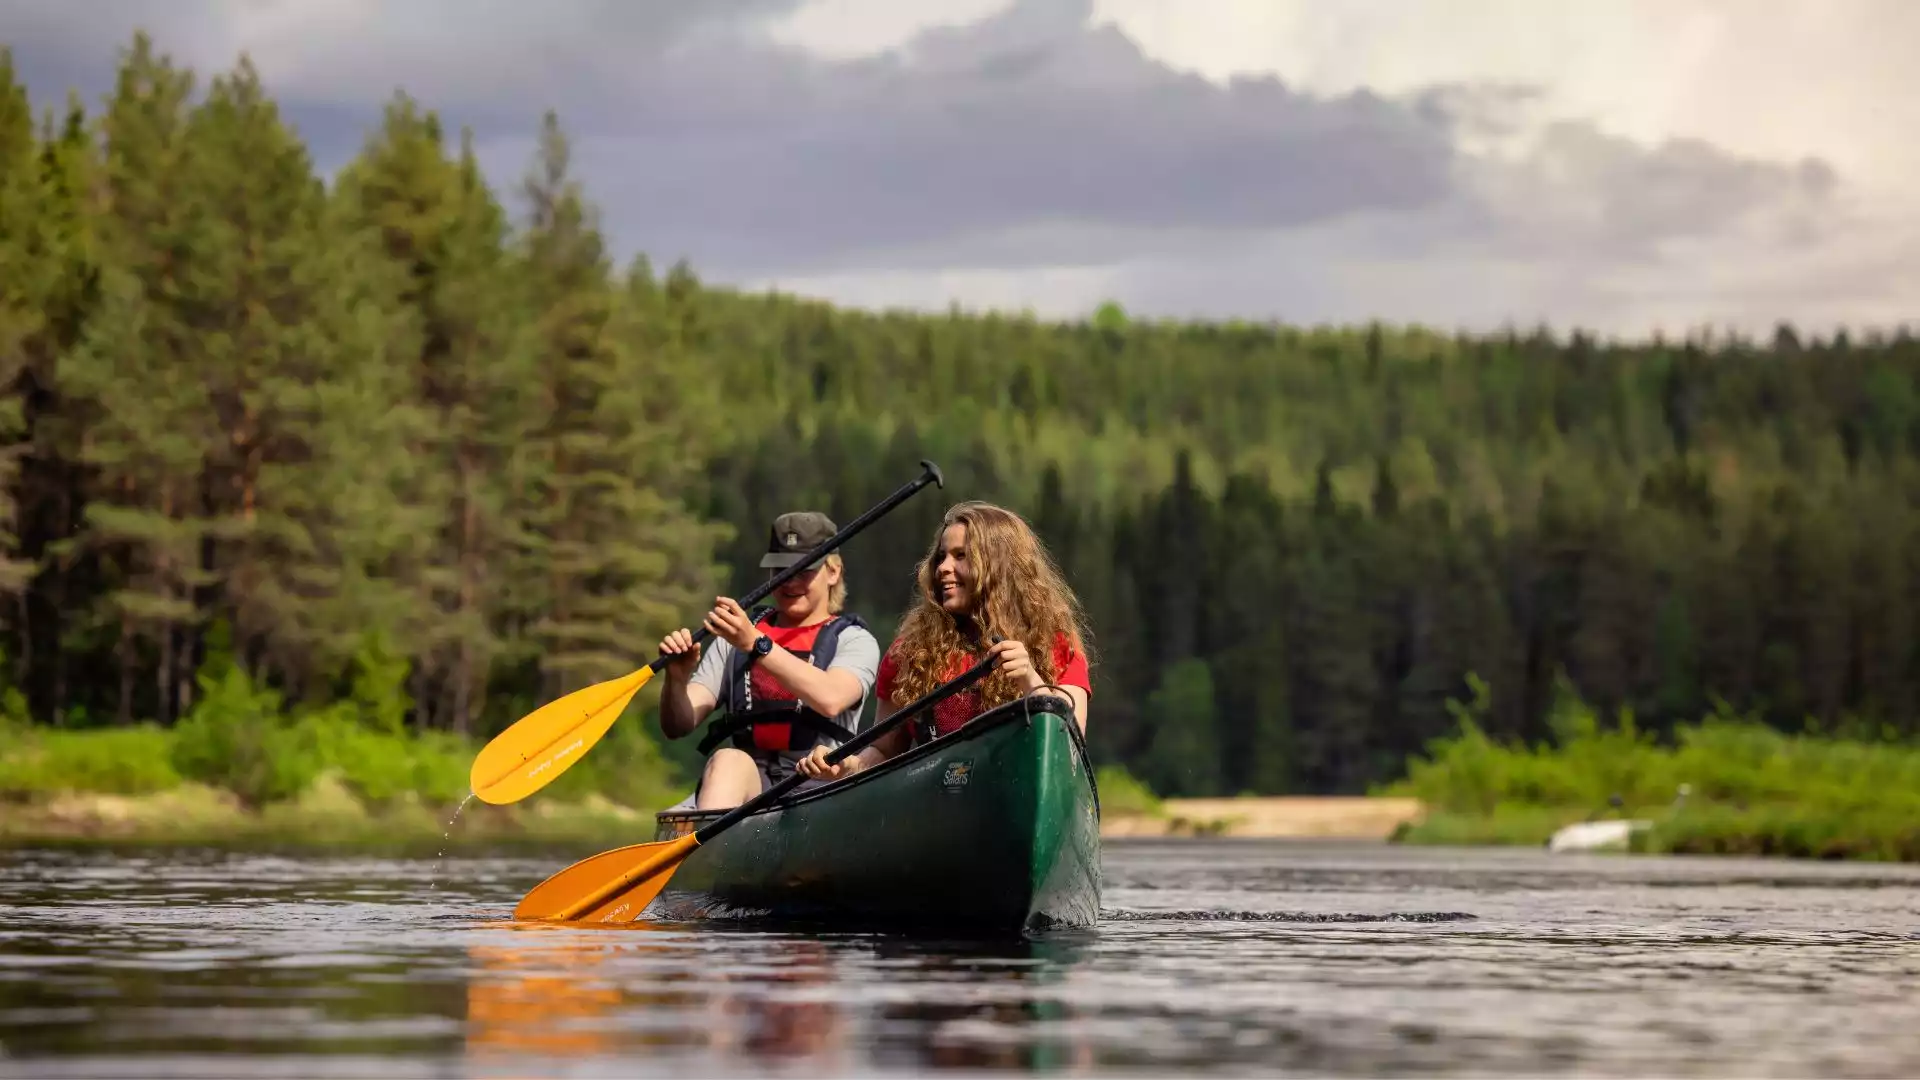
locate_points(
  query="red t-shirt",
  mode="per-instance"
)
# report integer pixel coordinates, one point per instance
(952, 712)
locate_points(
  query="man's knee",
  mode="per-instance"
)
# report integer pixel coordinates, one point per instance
(731, 778)
(731, 763)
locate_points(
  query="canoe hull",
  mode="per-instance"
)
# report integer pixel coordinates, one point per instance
(995, 827)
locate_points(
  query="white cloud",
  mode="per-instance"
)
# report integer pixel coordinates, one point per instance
(1770, 78)
(1618, 163)
(850, 29)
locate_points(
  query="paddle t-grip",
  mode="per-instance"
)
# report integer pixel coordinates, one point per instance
(929, 474)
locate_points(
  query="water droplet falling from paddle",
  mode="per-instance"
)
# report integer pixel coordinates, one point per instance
(445, 837)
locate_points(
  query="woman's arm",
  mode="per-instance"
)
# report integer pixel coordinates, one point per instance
(1076, 694)
(886, 746)
(1018, 664)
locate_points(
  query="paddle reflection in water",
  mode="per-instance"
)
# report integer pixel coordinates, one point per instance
(667, 991)
(549, 998)
(573, 993)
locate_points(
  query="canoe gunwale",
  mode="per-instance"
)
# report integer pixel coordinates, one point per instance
(1016, 711)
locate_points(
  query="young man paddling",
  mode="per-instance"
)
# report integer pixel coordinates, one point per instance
(792, 678)
(987, 574)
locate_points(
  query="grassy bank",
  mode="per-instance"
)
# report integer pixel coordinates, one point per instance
(1724, 785)
(325, 817)
(243, 769)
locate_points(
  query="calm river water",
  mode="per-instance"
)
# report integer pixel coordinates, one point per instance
(1215, 957)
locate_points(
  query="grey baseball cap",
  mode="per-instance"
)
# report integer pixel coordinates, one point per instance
(795, 534)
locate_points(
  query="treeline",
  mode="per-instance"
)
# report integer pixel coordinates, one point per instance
(371, 416)
(395, 413)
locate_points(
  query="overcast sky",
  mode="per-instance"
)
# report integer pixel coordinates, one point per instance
(1623, 165)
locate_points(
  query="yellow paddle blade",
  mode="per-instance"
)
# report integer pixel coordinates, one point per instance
(546, 742)
(613, 886)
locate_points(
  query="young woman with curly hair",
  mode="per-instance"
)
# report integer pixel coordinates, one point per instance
(987, 575)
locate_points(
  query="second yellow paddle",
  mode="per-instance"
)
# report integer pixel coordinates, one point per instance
(546, 742)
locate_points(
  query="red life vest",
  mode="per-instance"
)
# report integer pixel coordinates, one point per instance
(764, 715)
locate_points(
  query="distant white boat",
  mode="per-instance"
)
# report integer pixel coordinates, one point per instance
(1596, 835)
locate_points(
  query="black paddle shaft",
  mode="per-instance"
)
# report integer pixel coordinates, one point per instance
(850, 747)
(929, 474)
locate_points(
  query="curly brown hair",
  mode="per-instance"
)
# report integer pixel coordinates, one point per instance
(1018, 592)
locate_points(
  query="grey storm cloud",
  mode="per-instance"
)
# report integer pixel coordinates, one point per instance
(1034, 137)
(806, 163)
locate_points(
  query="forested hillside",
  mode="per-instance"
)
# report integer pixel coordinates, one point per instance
(397, 415)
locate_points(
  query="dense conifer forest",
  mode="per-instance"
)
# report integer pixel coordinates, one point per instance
(396, 419)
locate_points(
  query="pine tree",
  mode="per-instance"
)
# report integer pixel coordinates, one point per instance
(468, 367)
(623, 558)
(310, 407)
(62, 243)
(133, 376)
(28, 278)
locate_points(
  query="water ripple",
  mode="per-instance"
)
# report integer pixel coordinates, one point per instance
(1210, 958)
(1124, 915)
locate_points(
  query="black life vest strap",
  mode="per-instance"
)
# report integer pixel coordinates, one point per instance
(736, 727)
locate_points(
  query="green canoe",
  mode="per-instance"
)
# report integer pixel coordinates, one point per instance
(995, 827)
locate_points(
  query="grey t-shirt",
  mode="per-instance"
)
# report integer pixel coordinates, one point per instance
(857, 651)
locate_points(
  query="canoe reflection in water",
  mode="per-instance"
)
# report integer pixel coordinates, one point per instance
(700, 997)
(993, 1004)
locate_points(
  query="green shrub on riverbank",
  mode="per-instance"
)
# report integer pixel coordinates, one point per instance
(294, 770)
(38, 762)
(265, 759)
(1727, 784)
(1123, 793)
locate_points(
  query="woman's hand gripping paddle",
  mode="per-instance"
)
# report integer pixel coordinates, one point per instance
(546, 742)
(617, 885)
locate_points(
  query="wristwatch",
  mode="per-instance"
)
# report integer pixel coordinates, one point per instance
(762, 645)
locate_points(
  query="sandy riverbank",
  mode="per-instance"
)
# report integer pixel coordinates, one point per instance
(1335, 817)
(329, 817)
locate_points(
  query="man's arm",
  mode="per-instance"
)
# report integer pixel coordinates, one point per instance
(686, 701)
(842, 686)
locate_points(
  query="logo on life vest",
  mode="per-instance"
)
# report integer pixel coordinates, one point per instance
(958, 773)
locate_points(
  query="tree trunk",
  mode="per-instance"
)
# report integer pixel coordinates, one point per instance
(163, 677)
(123, 714)
(26, 635)
(422, 697)
(461, 719)
(163, 671)
(183, 678)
